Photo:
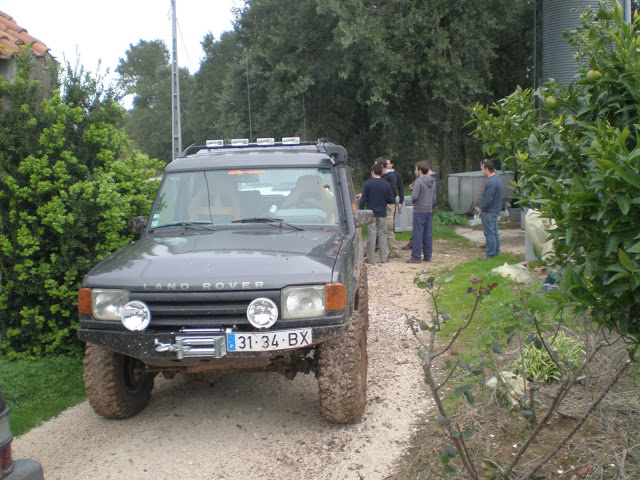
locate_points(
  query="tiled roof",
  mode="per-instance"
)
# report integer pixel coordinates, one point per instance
(12, 36)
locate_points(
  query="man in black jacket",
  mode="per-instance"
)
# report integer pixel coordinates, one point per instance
(377, 195)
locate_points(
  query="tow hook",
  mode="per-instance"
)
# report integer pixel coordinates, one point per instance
(178, 347)
(212, 345)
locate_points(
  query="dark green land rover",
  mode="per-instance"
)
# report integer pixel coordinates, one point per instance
(251, 260)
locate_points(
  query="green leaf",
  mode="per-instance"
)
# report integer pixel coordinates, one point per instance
(617, 276)
(470, 398)
(534, 145)
(625, 260)
(624, 202)
(467, 434)
(449, 470)
(463, 389)
(631, 178)
(451, 451)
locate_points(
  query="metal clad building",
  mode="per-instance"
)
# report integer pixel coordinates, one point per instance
(558, 56)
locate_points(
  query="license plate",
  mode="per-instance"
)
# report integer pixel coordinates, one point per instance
(266, 341)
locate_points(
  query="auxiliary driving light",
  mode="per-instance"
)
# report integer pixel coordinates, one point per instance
(136, 316)
(262, 313)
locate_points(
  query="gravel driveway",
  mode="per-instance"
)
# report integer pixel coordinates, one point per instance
(258, 426)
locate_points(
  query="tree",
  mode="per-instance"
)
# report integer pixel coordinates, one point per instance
(390, 77)
(67, 190)
(146, 74)
(578, 164)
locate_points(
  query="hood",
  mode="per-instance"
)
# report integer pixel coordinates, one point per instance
(247, 259)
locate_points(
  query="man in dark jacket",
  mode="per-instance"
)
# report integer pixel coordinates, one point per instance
(490, 206)
(376, 195)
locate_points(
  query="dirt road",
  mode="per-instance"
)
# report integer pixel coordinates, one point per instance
(258, 426)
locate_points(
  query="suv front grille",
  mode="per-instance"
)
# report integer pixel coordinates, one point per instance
(201, 309)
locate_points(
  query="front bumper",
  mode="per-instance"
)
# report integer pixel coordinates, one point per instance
(192, 347)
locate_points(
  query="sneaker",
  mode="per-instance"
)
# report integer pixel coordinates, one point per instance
(411, 260)
(485, 257)
(427, 260)
(407, 247)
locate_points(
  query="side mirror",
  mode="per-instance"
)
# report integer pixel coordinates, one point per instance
(137, 225)
(362, 218)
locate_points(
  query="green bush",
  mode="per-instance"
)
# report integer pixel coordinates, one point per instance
(68, 186)
(444, 218)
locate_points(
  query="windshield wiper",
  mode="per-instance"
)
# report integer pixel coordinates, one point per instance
(183, 224)
(267, 220)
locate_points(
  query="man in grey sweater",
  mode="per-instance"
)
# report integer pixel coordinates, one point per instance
(423, 196)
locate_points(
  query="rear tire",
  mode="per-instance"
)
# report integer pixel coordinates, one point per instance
(117, 385)
(342, 374)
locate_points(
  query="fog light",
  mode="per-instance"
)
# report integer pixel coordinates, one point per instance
(136, 316)
(262, 313)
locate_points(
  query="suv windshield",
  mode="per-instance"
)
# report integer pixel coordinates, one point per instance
(297, 196)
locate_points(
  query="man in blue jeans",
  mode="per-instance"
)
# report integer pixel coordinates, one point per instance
(490, 206)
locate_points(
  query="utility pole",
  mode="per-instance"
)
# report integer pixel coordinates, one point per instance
(176, 130)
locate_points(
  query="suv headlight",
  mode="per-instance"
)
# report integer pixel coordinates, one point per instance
(303, 302)
(108, 304)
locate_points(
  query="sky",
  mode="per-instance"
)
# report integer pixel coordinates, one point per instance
(105, 30)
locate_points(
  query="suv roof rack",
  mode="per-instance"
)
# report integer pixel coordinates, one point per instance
(337, 153)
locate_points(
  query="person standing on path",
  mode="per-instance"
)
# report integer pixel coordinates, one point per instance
(490, 206)
(394, 179)
(434, 175)
(376, 195)
(423, 197)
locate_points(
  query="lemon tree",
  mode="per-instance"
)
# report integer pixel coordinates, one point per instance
(578, 162)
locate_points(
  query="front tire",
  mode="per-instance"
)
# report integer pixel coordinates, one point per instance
(117, 385)
(342, 374)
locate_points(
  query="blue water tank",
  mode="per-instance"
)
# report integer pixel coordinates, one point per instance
(558, 57)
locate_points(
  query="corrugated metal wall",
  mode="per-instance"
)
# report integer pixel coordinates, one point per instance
(558, 56)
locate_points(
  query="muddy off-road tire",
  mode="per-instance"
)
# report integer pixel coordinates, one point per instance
(116, 385)
(342, 374)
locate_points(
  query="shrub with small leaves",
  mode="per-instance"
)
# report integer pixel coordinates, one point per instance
(68, 183)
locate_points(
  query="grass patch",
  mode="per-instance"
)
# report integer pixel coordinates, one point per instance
(37, 389)
(496, 311)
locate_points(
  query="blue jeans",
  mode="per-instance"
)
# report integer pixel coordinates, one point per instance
(490, 229)
(422, 235)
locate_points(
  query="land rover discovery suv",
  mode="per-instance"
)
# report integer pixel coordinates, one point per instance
(251, 260)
